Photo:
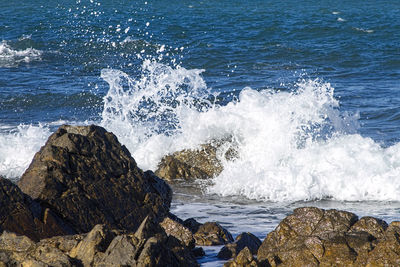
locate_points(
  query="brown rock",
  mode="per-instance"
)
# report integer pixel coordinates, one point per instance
(311, 236)
(243, 240)
(212, 234)
(317, 237)
(87, 177)
(100, 247)
(373, 226)
(243, 259)
(95, 241)
(21, 215)
(387, 250)
(201, 163)
(179, 231)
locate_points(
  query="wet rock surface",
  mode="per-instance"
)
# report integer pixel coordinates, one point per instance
(201, 163)
(84, 175)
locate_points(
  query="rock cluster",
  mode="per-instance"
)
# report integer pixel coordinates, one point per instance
(84, 202)
(148, 246)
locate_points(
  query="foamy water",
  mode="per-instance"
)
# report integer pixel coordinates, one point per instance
(10, 57)
(292, 145)
(18, 146)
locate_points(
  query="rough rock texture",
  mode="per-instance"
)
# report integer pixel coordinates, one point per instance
(212, 234)
(243, 259)
(21, 215)
(314, 237)
(202, 163)
(179, 231)
(387, 250)
(243, 240)
(87, 177)
(100, 247)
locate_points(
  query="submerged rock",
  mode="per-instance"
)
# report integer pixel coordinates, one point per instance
(314, 237)
(87, 177)
(199, 163)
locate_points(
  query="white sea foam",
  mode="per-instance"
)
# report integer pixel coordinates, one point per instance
(10, 57)
(18, 146)
(363, 30)
(146, 114)
(341, 19)
(293, 145)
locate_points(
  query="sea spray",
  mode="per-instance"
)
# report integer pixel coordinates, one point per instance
(146, 113)
(10, 57)
(292, 145)
(18, 146)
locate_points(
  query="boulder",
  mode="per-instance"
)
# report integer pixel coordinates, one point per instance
(21, 215)
(244, 240)
(243, 259)
(86, 177)
(201, 163)
(212, 234)
(314, 237)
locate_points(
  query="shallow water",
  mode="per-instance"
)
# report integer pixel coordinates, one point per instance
(307, 91)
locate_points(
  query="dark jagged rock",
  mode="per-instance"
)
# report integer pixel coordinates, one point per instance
(317, 237)
(87, 177)
(212, 234)
(199, 163)
(243, 240)
(21, 215)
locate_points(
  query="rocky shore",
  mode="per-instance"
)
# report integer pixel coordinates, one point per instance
(84, 202)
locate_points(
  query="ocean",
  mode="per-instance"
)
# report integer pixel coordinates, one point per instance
(309, 92)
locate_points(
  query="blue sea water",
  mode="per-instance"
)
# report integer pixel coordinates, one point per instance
(310, 91)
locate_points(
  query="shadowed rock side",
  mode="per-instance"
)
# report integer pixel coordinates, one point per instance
(199, 163)
(317, 237)
(21, 215)
(87, 177)
(244, 240)
(148, 246)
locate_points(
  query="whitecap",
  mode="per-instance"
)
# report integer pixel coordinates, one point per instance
(10, 57)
